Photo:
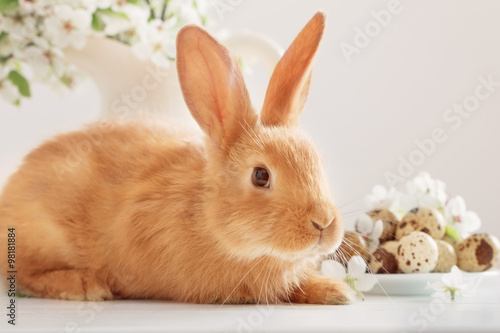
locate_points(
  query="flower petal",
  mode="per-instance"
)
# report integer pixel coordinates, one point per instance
(378, 228)
(381, 198)
(471, 221)
(437, 294)
(373, 244)
(333, 269)
(364, 224)
(365, 282)
(379, 192)
(438, 285)
(453, 279)
(469, 287)
(356, 267)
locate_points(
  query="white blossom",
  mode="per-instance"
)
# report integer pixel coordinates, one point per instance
(20, 25)
(136, 14)
(423, 191)
(189, 14)
(114, 24)
(462, 220)
(44, 61)
(125, 17)
(68, 27)
(381, 198)
(356, 276)
(454, 283)
(155, 42)
(370, 231)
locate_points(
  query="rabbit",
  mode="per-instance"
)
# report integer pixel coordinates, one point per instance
(240, 213)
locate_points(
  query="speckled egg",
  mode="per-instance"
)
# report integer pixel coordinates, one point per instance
(353, 244)
(478, 252)
(389, 221)
(392, 247)
(426, 220)
(447, 257)
(417, 253)
(383, 260)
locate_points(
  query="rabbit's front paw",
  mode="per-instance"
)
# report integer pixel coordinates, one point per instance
(71, 284)
(318, 290)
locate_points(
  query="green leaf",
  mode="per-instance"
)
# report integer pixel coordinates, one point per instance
(3, 34)
(451, 232)
(3, 60)
(135, 2)
(20, 81)
(96, 22)
(6, 5)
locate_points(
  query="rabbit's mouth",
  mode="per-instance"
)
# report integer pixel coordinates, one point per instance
(321, 240)
(323, 246)
(328, 240)
(328, 248)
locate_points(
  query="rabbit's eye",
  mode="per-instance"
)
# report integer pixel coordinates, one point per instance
(260, 177)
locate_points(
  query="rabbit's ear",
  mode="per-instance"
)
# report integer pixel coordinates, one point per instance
(289, 85)
(212, 85)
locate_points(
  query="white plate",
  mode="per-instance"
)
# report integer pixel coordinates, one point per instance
(414, 284)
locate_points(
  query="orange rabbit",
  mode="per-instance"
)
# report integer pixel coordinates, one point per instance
(239, 216)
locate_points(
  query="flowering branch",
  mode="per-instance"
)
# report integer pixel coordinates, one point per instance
(33, 34)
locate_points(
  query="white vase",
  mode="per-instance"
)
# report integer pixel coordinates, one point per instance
(130, 87)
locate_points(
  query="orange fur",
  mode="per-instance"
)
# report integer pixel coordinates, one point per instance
(135, 210)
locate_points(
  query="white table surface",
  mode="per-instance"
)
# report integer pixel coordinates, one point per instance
(376, 314)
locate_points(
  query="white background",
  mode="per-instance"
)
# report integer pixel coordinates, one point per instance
(363, 115)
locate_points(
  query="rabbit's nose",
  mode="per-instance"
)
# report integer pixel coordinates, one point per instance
(321, 228)
(317, 226)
